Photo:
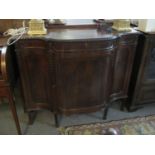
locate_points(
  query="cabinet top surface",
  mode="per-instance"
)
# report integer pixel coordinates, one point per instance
(78, 34)
(76, 30)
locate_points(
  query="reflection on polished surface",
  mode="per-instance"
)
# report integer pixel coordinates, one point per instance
(79, 21)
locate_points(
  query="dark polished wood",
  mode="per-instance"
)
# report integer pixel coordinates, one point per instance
(7, 81)
(35, 73)
(143, 77)
(84, 72)
(123, 64)
(75, 70)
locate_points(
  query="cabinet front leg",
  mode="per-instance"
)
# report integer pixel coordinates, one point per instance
(32, 116)
(56, 120)
(105, 111)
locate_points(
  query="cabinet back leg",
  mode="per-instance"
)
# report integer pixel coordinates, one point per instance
(32, 115)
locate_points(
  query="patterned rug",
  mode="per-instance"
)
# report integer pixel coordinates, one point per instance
(133, 126)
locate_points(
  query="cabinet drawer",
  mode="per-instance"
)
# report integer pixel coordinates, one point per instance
(89, 45)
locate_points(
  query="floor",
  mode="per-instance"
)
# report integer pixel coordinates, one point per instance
(44, 122)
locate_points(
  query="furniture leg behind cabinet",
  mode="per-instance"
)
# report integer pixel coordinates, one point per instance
(7, 82)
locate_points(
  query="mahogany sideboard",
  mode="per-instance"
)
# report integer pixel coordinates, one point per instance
(75, 70)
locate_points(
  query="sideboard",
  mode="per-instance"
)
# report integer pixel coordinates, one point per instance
(72, 71)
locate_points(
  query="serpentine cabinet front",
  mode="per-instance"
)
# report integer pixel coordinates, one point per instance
(69, 77)
(79, 73)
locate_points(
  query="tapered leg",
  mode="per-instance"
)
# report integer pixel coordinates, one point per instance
(14, 112)
(32, 115)
(105, 112)
(56, 120)
(106, 109)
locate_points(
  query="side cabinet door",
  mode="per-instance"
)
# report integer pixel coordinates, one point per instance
(146, 83)
(84, 79)
(35, 74)
(123, 65)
